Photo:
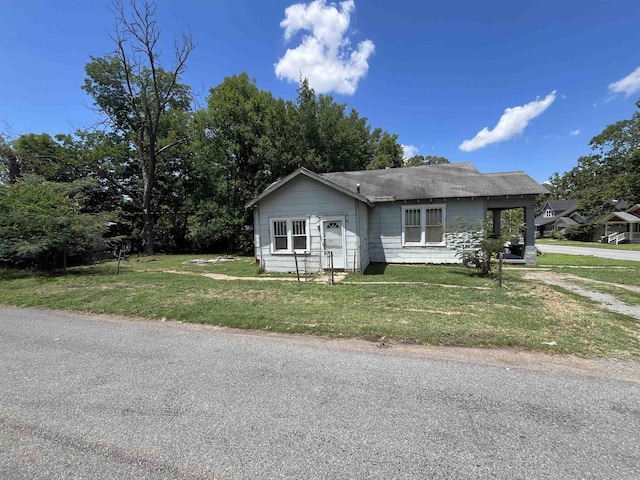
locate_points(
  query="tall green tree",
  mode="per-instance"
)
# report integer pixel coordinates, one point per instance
(418, 160)
(330, 140)
(611, 172)
(137, 96)
(618, 150)
(387, 152)
(9, 162)
(53, 158)
(237, 141)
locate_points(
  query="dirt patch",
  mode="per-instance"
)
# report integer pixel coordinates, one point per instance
(564, 306)
(219, 276)
(245, 295)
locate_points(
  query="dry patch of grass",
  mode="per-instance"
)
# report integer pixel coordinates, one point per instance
(558, 303)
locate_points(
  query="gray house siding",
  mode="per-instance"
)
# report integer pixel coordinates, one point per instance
(361, 215)
(306, 198)
(385, 232)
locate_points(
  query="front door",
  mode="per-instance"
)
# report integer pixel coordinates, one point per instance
(333, 241)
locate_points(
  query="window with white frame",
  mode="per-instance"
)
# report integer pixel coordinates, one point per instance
(289, 235)
(423, 225)
(548, 213)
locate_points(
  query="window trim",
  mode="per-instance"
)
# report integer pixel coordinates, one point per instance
(423, 225)
(290, 236)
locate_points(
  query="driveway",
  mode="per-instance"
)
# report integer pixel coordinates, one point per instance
(106, 398)
(593, 252)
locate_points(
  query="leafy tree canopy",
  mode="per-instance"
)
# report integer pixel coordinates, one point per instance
(611, 172)
(418, 160)
(41, 223)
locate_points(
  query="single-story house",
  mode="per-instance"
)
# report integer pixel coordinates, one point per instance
(556, 216)
(623, 226)
(399, 215)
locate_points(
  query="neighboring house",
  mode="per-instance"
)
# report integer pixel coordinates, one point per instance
(623, 227)
(556, 216)
(401, 215)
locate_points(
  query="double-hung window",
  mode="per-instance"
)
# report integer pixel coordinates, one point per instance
(289, 235)
(423, 225)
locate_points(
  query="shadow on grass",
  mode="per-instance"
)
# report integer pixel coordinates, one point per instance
(447, 273)
(7, 274)
(376, 269)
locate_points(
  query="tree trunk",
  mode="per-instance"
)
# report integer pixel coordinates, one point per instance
(148, 218)
(148, 233)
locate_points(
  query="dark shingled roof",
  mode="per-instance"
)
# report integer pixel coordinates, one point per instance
(563, 205)
(564, 208)
(435, 181)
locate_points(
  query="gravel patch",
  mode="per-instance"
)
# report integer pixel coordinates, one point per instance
(606, 300)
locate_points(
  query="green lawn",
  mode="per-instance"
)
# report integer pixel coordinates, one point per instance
(570, 243)
(434, 274)
(449, 305)
(602, 269)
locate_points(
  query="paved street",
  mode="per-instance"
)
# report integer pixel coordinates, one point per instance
(100, 398)
(594, 252)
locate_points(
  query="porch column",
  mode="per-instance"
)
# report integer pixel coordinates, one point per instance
(497, 220)
(530, 253)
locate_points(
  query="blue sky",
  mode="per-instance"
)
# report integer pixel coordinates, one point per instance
(506, 85)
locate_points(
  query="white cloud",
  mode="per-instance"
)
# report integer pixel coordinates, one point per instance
(574, 132)
(409, 151)
(325, 56)
(627, 85)
(512, 123)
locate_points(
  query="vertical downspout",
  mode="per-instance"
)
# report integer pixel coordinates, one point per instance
(357, 233)
(256, 235)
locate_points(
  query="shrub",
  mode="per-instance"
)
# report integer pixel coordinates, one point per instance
(473, 246)
(581, 233)
(41, 224)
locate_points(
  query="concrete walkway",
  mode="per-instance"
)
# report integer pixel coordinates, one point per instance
(631, 255)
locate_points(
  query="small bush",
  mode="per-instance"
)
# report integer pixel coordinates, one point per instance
(581, 233)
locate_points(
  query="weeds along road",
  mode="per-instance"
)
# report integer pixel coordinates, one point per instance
(101, 398)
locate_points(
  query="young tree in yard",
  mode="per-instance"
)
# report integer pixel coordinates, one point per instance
(473, 245)
(137, 97)
(41, 223)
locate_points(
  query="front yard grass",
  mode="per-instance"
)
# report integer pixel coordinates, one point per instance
(573, 243)
(449, 306)
(595, 268)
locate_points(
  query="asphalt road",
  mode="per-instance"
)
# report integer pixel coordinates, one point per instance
(632, 255)
(98, 398)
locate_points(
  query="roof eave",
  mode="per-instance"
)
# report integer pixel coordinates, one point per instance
(308, 173)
